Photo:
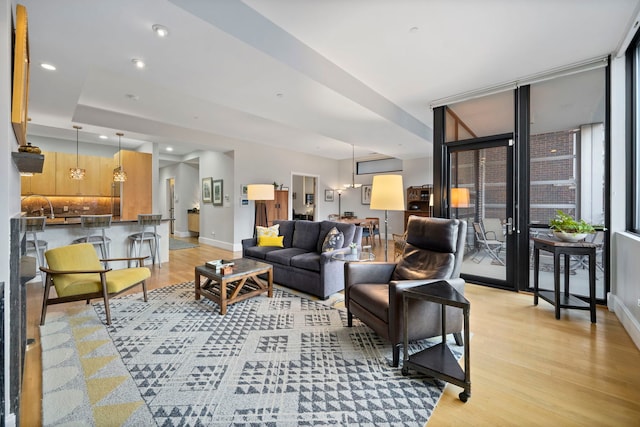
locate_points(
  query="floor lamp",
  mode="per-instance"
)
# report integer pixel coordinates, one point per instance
(259, 193)
(387, 193)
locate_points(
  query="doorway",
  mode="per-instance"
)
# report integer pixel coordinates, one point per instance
(481, 193)
(304, 197)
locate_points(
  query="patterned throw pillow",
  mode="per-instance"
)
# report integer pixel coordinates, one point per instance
(267, 231)
(333, 240)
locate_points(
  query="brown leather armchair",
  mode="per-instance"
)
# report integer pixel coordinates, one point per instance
(373, 291)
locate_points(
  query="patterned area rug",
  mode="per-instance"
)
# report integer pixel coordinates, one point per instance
(285, 360)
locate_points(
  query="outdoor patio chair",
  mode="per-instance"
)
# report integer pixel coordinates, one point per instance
(487, 243)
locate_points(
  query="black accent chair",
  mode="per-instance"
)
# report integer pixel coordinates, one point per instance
(373, 291)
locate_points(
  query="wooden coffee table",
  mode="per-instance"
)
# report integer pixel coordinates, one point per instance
(242, 283)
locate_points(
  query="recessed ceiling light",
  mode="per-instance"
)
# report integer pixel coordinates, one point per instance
(169, 148)
(160, 30)
(48, 66)
(103, 137)
(139, 63)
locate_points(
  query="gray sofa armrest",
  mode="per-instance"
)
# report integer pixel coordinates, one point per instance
(248, 243)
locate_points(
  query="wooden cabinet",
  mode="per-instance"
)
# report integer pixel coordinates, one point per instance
(41, 183)
(418, 199)
(55, 181)
(193, 222)
(90, 185)
(279, 207)
(105, 186)
(135, 192)
(65, 186)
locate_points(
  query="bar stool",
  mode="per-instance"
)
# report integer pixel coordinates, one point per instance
(148, 233)
(90, 223)
(32, 226)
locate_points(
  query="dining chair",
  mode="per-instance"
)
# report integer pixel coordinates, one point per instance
(375, 229)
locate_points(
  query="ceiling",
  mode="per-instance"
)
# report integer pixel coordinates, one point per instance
(306, 75)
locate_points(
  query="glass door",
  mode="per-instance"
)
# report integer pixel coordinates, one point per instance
(481, 193)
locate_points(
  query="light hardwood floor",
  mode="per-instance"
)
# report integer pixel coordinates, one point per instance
(527, 368)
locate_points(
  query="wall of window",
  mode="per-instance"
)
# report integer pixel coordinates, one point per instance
(633, 77)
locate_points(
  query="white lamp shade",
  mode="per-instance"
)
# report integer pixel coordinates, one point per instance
(260, 192)
(387, 193)
(460, 198)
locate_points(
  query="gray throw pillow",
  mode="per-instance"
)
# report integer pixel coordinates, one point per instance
(334, 240)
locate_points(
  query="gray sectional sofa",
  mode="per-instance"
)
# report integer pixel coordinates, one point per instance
(301, 264)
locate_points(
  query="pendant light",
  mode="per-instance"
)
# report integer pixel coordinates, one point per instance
(353, 170)
(77, 172)
(119, 175)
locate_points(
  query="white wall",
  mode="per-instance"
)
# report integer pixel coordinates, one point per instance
(255, 164)
(414, 172)
(217, 222)
(625, 247)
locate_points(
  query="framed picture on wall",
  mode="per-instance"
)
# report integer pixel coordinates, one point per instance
(217, 192)
(206, 190)
(243, 190)
(328, 195)
(365, 194)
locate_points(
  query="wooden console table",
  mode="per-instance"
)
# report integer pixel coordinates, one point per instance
(564, 299)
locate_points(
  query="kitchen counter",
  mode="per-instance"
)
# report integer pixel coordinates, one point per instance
(63, 231)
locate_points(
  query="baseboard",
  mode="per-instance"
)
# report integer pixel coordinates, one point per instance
(10, 420)
(623, 314)
(220, 244)
(183, 234)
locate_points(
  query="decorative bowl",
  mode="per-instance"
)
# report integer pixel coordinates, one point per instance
(569, 237)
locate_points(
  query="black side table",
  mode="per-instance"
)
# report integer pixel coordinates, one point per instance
(438, 360)
(564, 300)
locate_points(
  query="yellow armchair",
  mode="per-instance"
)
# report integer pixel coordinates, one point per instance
(77, 274)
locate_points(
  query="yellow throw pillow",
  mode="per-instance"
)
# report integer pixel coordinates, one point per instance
(271, 241)
(272, 231)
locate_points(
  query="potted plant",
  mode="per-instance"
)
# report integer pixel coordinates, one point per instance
(567, 228)
(354, 248)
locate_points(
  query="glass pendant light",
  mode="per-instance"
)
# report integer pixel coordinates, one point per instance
(119, 175)
(77, 172)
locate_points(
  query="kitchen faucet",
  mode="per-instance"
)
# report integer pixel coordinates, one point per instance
(41, 209)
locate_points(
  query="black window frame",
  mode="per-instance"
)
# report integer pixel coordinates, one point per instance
(632, 109)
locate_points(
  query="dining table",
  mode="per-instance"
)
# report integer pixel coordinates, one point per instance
(355, 221)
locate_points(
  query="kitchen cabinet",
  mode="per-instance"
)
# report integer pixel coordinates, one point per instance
(41, 183)
(90, 185)
(65, 186)
(135, 192)
(105, 186)
(278, 208)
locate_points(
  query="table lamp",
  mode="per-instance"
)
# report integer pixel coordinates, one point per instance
(259, 193)
(387, 193)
